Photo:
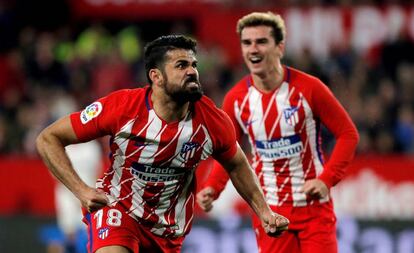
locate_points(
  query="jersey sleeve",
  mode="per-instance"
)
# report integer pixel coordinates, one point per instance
(331, 113)
(218, 177)
(99, 118)
(224, 138)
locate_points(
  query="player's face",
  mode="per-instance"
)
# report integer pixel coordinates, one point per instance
(180, 74)
(259, 49)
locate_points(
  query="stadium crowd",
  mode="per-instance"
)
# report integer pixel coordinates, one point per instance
(46, 73)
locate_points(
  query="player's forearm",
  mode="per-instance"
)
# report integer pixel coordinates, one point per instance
(347, 138)
(52, 151)
(247, 186)
(341, 156)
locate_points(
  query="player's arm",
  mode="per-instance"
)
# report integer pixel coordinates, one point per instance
(247, 185)
(336, 119)
(51, 144)
(218, 177)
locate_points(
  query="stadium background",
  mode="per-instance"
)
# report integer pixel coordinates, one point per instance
(56, 55)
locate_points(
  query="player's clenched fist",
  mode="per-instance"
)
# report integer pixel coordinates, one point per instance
(274, 224)
(93, 199)
(205, 198)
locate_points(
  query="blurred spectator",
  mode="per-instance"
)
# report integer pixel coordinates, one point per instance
(110, 73)
(43, 69)
(396, 52)
(404, 128)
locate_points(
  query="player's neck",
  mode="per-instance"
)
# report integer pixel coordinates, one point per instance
(269, 81)
(167, 109)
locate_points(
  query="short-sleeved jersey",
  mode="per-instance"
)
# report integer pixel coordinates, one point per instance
(283, 127)
(152, 161)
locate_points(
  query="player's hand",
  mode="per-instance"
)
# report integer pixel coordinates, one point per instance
(315, 188)
(205, 198)
(274, 224)
(93, 199)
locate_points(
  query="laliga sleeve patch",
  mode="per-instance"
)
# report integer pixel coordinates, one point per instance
(90, 112)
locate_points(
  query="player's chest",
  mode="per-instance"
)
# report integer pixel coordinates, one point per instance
(180, 144)
(273, 115)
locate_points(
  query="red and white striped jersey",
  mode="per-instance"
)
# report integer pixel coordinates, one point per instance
(152, 161)
(283, 127)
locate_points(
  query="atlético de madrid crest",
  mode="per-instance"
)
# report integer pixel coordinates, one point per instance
(291, 115)
(103, 233)
(188, 150)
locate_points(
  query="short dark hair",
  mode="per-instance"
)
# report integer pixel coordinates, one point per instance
(155, 51)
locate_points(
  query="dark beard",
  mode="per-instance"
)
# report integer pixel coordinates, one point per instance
(184, 95)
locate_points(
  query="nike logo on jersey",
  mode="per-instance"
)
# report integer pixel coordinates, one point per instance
(249, 122)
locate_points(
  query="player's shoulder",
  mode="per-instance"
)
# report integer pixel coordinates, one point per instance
(206, 104)
(214, 118)
(299, 78)
(240, 89)
(208, 110)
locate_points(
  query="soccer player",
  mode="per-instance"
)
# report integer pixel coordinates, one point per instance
(159, 134)
(281, 110)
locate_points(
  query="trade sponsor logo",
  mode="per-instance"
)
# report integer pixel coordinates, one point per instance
(90, 112)
(149, 173)
(284, 147)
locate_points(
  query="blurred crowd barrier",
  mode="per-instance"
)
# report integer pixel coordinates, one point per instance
(374, 205)
(376, 187)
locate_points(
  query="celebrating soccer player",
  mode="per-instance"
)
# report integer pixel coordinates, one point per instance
(281, 109)
(159, 134)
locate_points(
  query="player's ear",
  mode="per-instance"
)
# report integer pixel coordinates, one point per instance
(281, 47)
(156, 76)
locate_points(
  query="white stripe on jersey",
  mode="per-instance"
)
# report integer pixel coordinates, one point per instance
(207, 145)
(118, 164)
(295, 168)
(185, 129)
(154, 132)
(180, 207)
(282, 100)
(257, 121)
(238, 110)
(147, 156)
(186, 135)
(312, 135)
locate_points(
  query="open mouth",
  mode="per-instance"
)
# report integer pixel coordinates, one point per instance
(255, 59)
(192, 83)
